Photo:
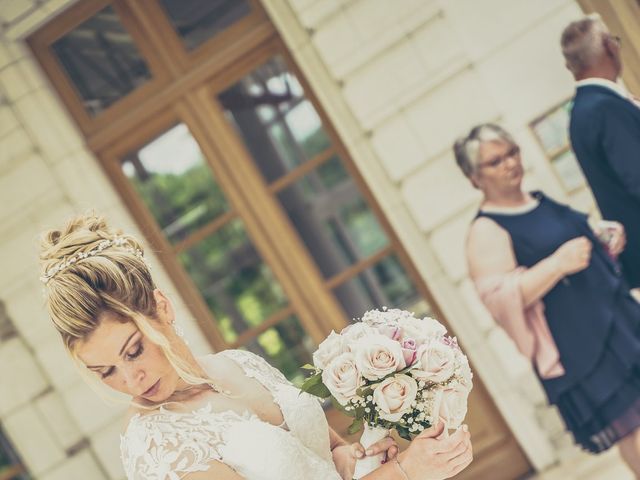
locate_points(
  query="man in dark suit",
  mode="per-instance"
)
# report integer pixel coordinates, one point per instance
(605, 130)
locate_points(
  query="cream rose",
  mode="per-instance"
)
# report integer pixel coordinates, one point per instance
(463, 370)
(330, 348)
(342, 378)
(421, 330)
(377, 356)
(394, 396)
(453, 405)
(436, 362)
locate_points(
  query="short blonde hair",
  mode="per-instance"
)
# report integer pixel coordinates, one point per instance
(115, 281)
(581, 42)
(466, 149)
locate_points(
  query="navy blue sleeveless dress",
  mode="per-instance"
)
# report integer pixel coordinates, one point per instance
(594, 321)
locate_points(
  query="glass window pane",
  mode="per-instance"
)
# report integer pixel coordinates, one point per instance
(567, 167)
(102, 61)
(173, 179)
(332, 217)
(287, 347)
(385, 284)
(280, 127)
(239, 288)
(196, 21)
(10, 467)
(553, 129)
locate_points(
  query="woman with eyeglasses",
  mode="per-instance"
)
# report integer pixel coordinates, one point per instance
(551, 283)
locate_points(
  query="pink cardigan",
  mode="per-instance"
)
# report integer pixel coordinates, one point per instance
(527, 327)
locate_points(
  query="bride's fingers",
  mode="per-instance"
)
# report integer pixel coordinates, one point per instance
(380, 446)
(357, 450)
(392, 452)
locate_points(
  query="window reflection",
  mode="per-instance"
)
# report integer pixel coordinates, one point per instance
(101, 60)
(196, 21)
(10, 467)
(239, 288)
(287, 347)
(385, 284)
(176, 184)
(552, 130)
(332, 217)
(279, 126)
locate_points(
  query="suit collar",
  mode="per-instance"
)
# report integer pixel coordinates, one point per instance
(605, 84)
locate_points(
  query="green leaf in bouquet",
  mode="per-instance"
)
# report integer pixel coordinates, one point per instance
(355, 427)
(308, 366)
(403, 432)
(314, 386)
(364, 391)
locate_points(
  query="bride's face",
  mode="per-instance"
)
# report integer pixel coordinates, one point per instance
(127, 361)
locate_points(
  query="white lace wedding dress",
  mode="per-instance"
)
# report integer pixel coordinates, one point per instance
(166, 445)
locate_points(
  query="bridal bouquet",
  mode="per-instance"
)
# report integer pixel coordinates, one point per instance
(392, 370)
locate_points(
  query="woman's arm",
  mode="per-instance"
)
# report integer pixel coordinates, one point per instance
(217, 471)
(490, 252)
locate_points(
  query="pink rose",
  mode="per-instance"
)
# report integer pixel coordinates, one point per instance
(342, 378)
(409, 351)
(394, 396)
(377, 356)
(394, 332)
(436, 362)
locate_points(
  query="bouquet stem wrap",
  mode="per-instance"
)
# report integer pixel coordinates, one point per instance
(370, 436)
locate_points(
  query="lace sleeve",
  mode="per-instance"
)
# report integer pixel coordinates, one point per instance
(168, 445)
(257, 367)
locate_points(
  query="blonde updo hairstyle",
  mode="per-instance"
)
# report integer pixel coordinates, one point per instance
(116, 280)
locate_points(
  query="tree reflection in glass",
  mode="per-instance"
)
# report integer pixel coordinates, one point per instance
(385, 284)
(239, 288)
(332, 217)
(286, 346)
(172, 178)
(279, 125)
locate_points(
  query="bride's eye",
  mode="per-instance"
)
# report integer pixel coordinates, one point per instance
(106, 373)
(137, 352)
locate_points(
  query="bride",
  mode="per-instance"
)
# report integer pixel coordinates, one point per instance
(227, 416)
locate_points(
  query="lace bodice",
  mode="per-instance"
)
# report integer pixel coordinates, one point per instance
(166, 445)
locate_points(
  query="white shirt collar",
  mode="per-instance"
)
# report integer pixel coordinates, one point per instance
(603, 82)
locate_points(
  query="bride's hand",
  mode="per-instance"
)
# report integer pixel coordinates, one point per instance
(431, 458)
(345, 455)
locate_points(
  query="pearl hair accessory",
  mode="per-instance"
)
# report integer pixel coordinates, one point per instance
(178, 329)
(103, 245)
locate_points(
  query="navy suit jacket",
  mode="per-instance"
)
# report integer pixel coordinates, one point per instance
(605, 136)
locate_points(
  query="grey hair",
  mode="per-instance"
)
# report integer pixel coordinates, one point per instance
(581, 42)
(467, 149)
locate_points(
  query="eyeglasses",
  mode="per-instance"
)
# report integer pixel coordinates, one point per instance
(514, 152)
